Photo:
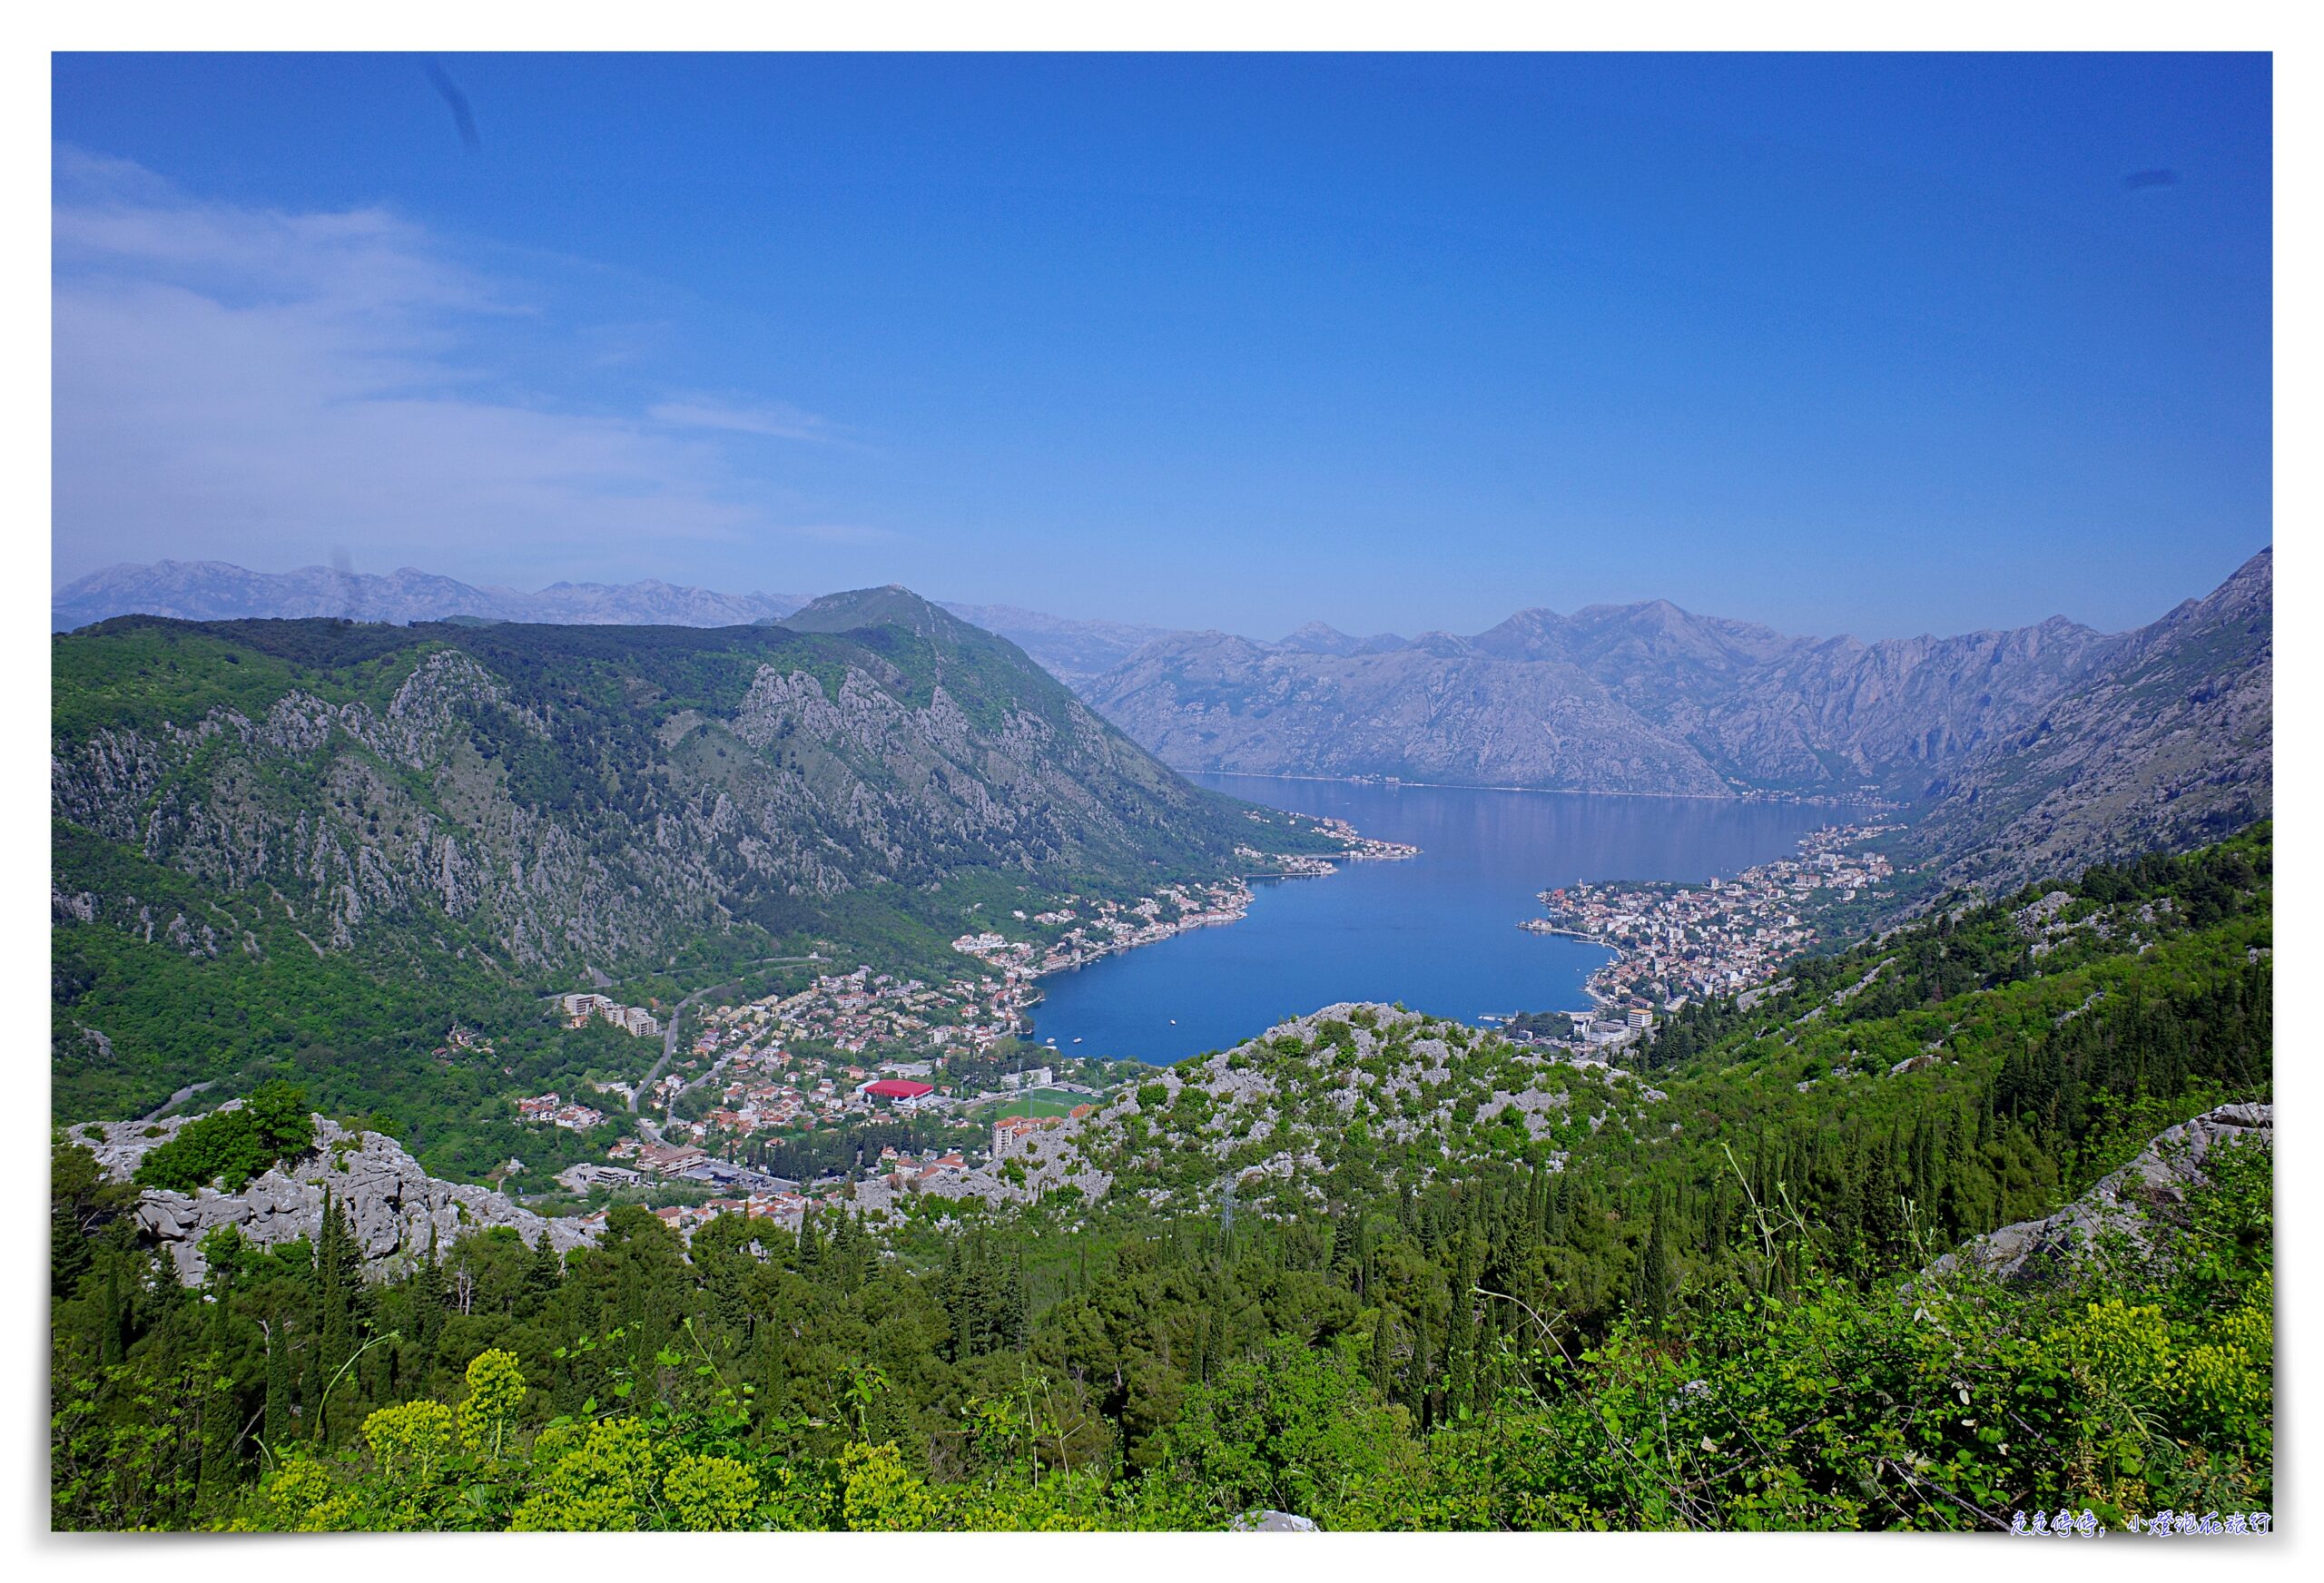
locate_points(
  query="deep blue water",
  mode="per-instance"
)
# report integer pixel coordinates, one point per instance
(1438, 932)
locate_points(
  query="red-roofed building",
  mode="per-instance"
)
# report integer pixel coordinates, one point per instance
(898, 1089)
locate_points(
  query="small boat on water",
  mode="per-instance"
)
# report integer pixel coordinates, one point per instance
(1174, 1022)
(1076, 1038)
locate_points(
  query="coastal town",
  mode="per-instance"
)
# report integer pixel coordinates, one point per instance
(867, 1055)
(1079, 931)
(871, 1090)
(1676, 943)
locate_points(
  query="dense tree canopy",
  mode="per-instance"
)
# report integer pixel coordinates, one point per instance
(1730, 1322)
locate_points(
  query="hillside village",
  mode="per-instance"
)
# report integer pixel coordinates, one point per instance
(851, 1055)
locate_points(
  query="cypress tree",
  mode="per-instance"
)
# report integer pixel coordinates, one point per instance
(339, 1280)
(1016, 1328)
(113, 1334)
(427, 1305)
(220, 1408)
(1417, 1374)
(276, 1428)
(542, 1274)
(1650, 1286)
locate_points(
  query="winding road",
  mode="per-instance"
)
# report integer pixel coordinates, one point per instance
(677, 1016)
(180, 1098)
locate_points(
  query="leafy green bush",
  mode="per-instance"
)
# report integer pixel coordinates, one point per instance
(229, 1147)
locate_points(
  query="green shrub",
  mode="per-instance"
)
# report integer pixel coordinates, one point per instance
(230, 1146)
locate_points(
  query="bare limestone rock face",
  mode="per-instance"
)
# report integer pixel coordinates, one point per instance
(394, 1205)
(1540, 1113)
(2126, 1202)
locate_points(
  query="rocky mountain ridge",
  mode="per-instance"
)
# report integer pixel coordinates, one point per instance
(1075, 652)
(530, 801)
(398, 1212)
(2169, 744)
(2032, 751)
(2133, 1203)
(830, 767)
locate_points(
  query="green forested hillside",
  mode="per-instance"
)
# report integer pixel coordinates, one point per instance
(274, 837)
(1699, 1296)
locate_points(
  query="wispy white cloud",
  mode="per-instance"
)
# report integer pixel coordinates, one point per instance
(773, 420)
(256, 385)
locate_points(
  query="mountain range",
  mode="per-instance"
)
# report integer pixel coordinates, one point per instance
(2032, 748)
(231, 802)
(218, 591)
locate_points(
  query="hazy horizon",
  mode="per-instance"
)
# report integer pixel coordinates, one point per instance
(1411, 630)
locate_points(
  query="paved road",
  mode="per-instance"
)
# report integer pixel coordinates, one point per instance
(669, 1043)
(180, 1098)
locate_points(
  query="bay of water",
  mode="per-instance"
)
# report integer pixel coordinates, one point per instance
(1438, 932)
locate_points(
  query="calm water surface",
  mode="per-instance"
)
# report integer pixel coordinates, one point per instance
(1438, 932)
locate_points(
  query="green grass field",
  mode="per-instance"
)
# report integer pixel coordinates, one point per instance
(1040, 1102)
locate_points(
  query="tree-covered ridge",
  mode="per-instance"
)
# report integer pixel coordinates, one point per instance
(1715, 1307)
(1188, 1377)
(270, 814)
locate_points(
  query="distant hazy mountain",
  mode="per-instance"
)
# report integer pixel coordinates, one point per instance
(2055, 740)
(216, 591)
(1317, 638)
(1427, 711)
(1075, 652)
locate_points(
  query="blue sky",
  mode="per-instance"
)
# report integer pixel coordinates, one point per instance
(1882, 345)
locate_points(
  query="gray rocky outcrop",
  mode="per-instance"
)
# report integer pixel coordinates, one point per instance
(395, 1207)
(2133, 1202)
